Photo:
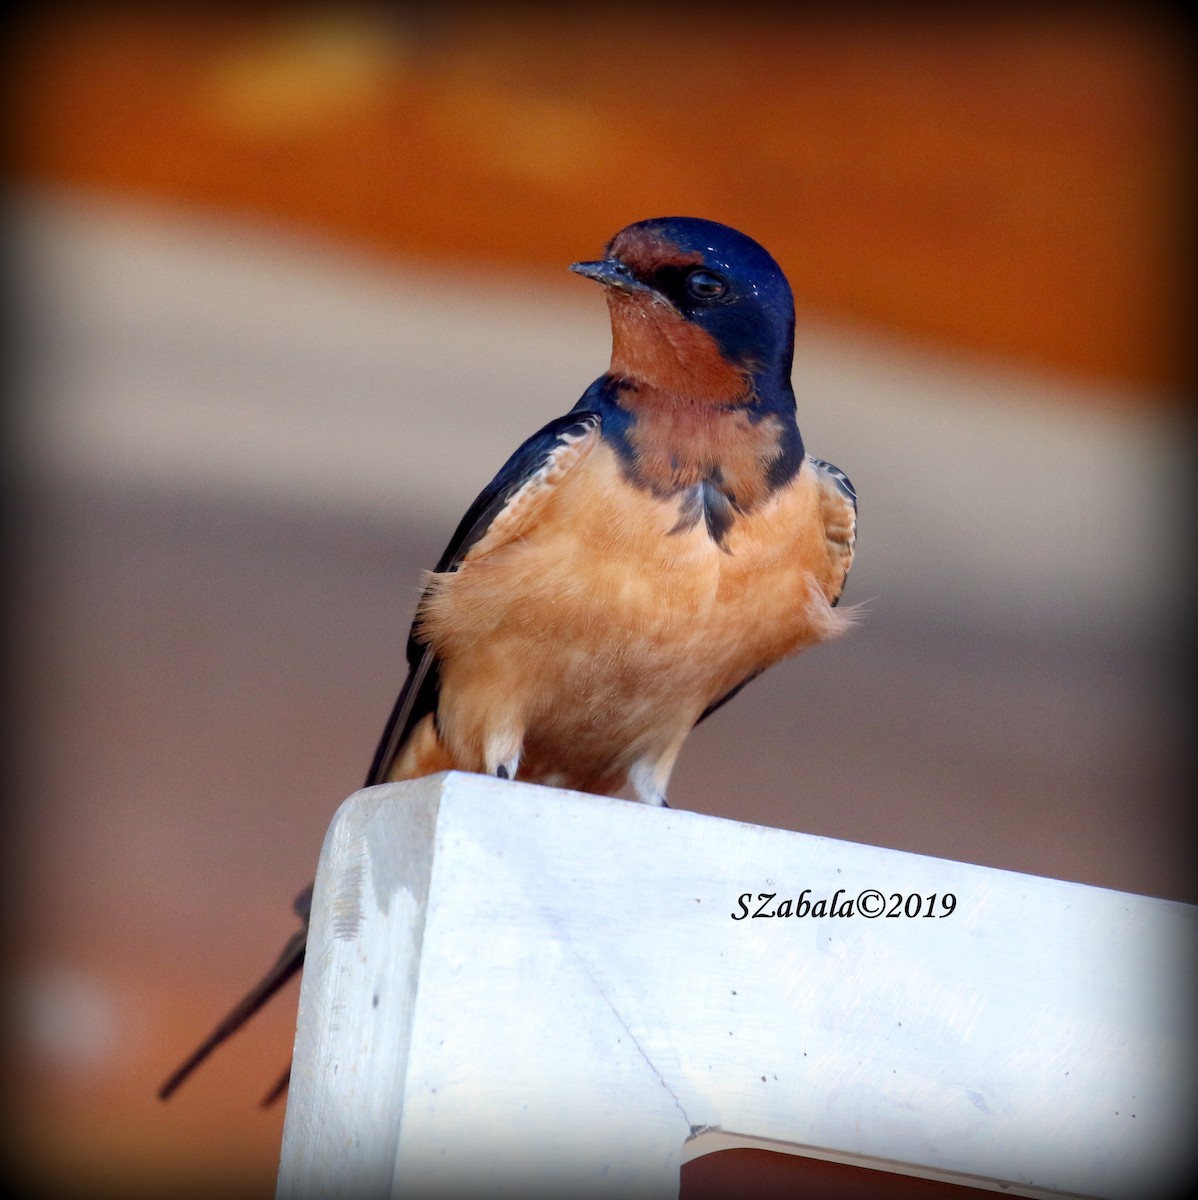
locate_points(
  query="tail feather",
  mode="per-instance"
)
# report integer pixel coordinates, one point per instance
(287, 965)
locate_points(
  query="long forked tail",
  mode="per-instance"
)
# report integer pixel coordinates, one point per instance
(287, 965)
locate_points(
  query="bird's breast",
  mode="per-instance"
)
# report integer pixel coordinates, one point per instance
(604, 568)
(611, 620)
(670, 447)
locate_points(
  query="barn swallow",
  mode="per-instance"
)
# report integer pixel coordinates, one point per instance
(637, 561)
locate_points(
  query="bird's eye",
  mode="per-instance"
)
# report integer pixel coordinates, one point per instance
(706, 285)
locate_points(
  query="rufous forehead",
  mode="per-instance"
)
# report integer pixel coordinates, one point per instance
(645, 250)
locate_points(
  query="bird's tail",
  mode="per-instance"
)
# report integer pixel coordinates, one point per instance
(287, 965)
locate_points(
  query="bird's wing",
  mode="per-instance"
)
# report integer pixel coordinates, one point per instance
(838, 507)
(503, 510)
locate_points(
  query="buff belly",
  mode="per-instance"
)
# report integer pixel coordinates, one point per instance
(588, 646)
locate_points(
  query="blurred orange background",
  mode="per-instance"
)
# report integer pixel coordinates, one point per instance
(1006, 187)
(1011, 182)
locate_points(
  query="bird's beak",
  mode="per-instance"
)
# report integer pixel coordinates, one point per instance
(612, 273)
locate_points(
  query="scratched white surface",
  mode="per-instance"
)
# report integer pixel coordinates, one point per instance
(584, 1003)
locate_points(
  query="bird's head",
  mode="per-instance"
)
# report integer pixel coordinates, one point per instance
(698, 309)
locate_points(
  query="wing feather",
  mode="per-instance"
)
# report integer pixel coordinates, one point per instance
(502, 510)
(839, 510)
